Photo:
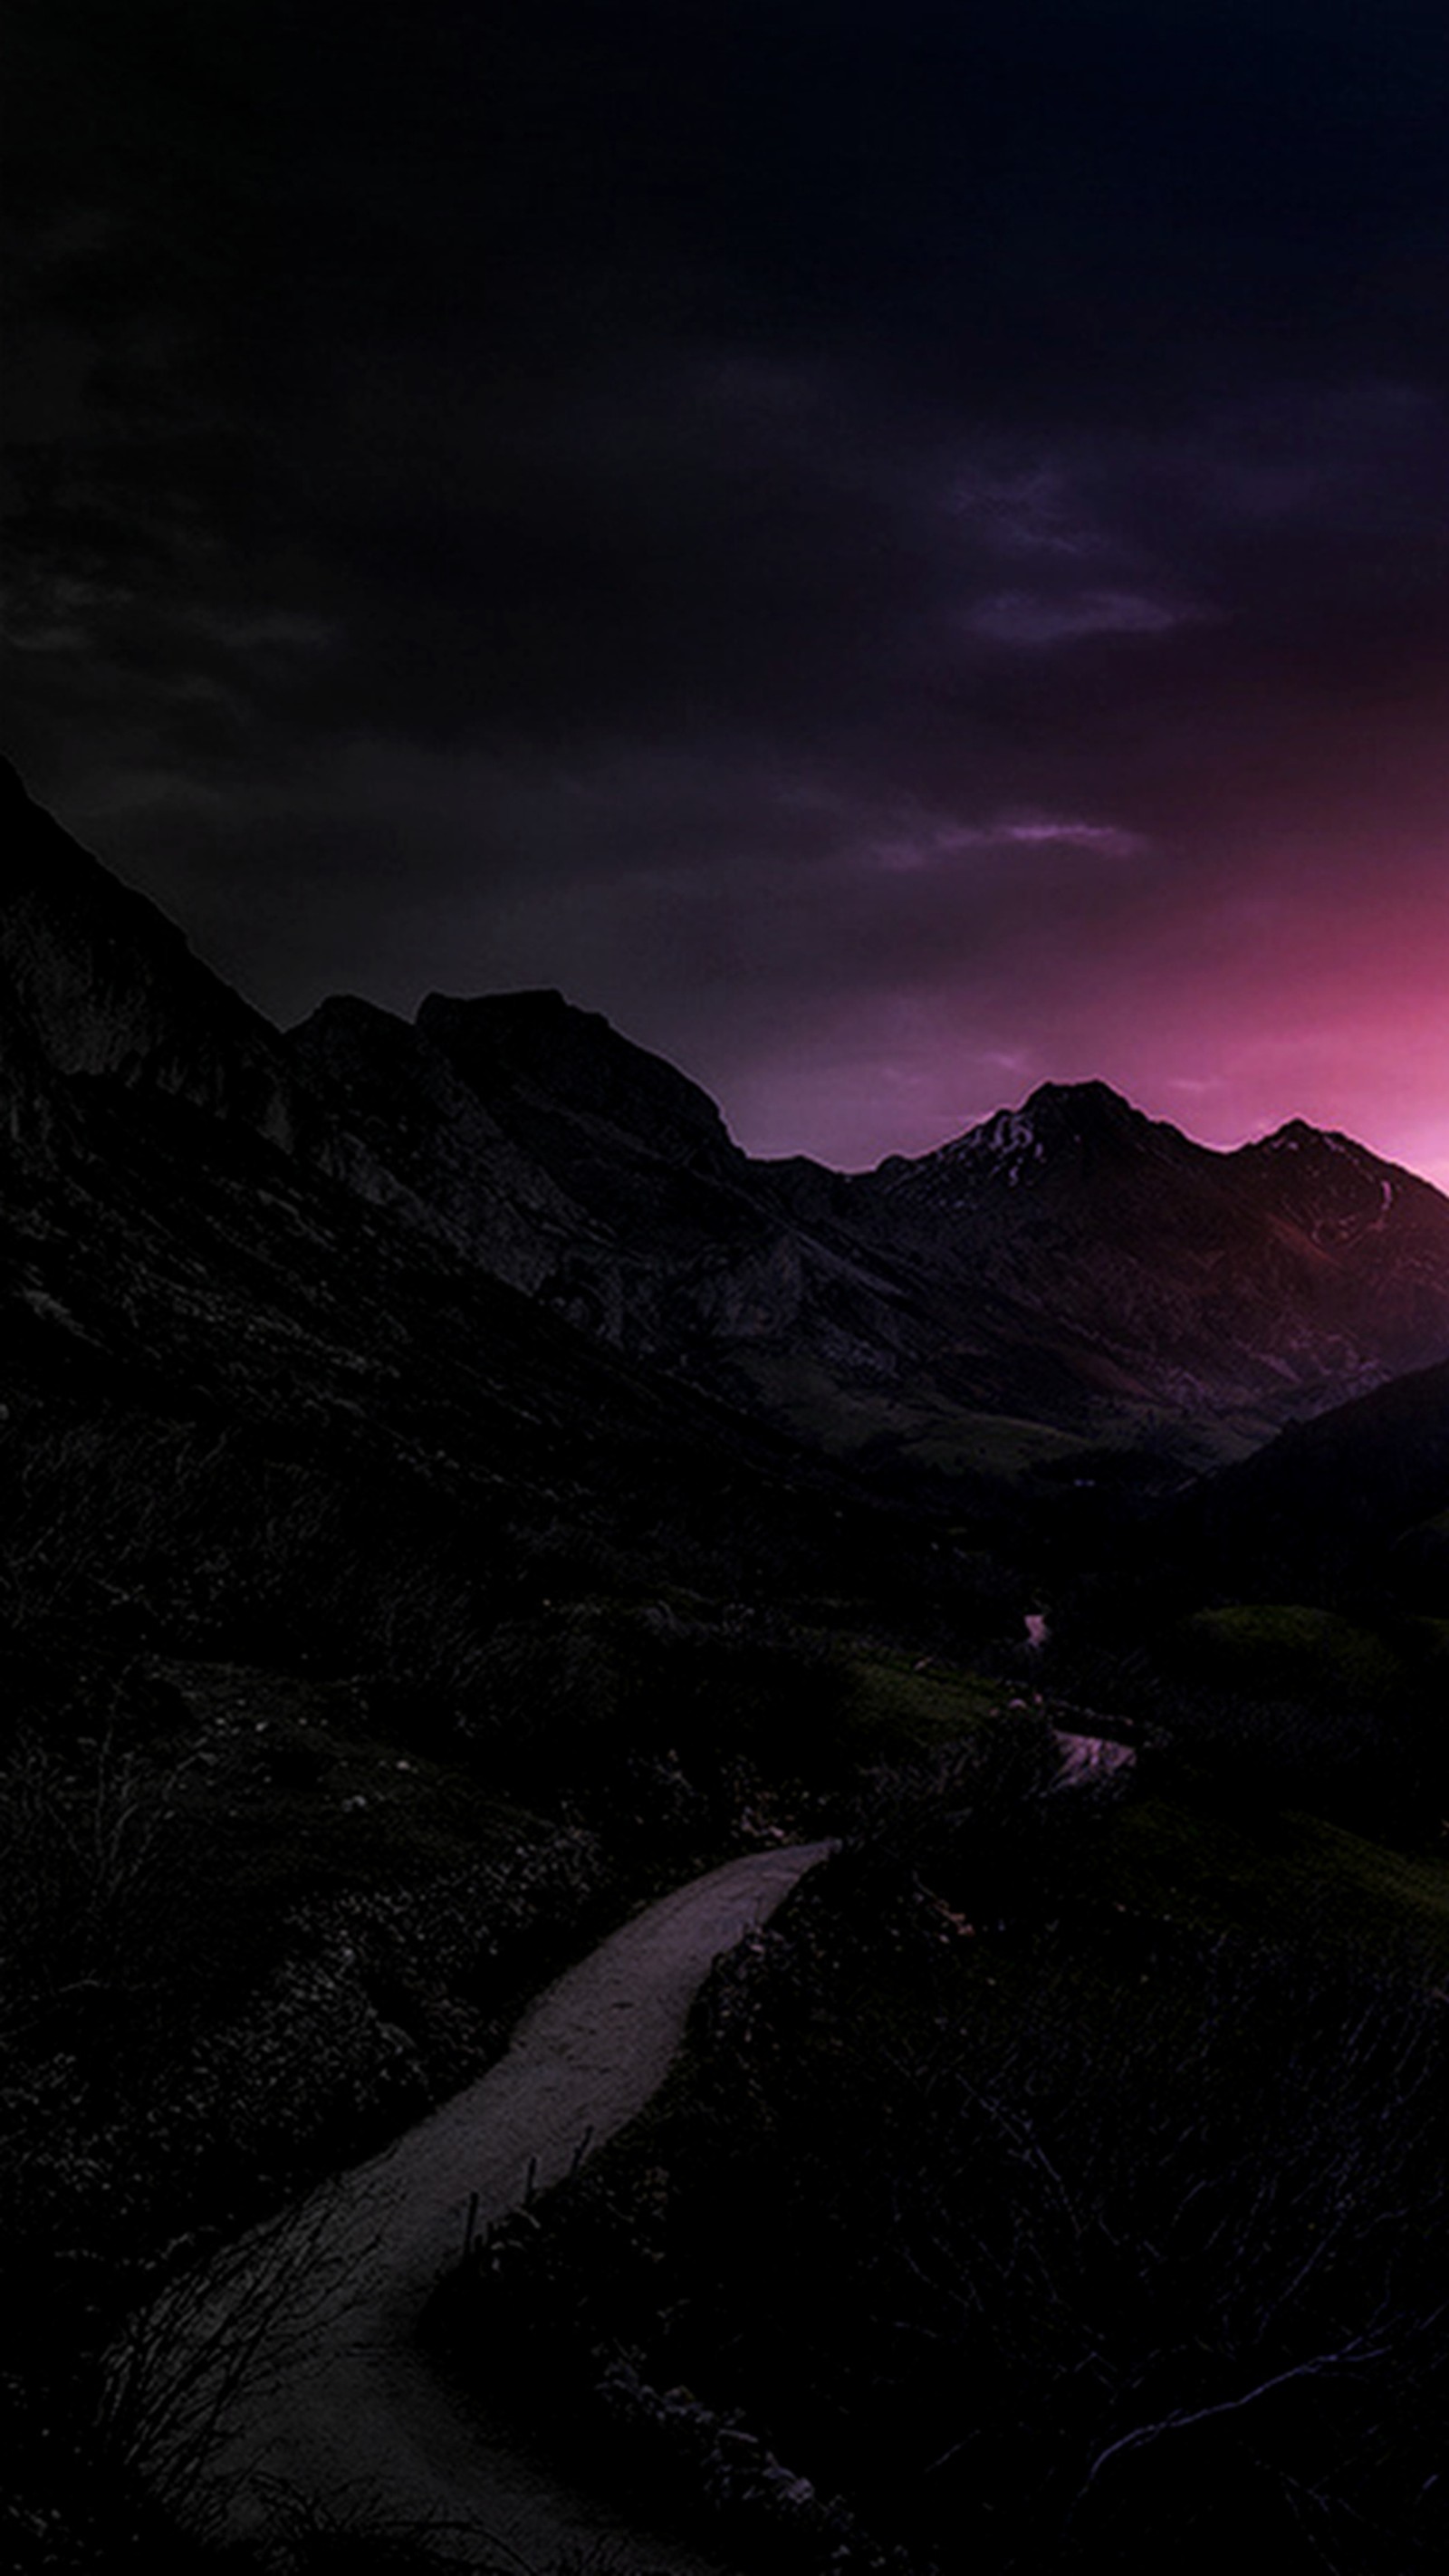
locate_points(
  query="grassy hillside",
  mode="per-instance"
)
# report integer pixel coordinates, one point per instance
(1051, 2216)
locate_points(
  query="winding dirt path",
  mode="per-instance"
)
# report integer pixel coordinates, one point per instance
(289, 2367)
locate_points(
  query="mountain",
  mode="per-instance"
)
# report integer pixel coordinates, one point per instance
(256, 1396)
(1351, 1504)
(540, 1143)
(97, 985)
(1071, 1265)
(1265, 1282)
(1067, 1277)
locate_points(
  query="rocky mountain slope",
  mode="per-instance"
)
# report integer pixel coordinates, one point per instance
(1071, 1264)
(253, 1399)
(1065, 1277)
(1277, 1278)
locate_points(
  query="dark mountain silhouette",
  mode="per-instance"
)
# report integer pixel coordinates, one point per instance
(1071, 1262)
(1352, 1505)
(1271, 1280)
(255, 1397)
(1068, 1273)
(98, 985)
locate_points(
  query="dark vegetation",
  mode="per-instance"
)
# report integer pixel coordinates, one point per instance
(320, 1753)
(1075, 2229)
(1063, 2173)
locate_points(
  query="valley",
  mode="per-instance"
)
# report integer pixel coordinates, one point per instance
(451, 1497)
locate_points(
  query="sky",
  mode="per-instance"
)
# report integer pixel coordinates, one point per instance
(898, 551)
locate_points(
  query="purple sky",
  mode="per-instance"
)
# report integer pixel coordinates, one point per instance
(899, 551)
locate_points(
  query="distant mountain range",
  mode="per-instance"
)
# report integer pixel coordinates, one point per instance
(1067, 1281)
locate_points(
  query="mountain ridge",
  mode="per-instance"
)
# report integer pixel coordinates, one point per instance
(1070, 1263)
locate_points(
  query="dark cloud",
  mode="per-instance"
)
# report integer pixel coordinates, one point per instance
(892, 548)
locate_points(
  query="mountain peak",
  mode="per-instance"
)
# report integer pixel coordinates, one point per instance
(1056, 1118)
(1083, 1099)
(1297, 1136)
(1333, 1158)
(1081, 1110)
(576, 1061)
(1330, 1184)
